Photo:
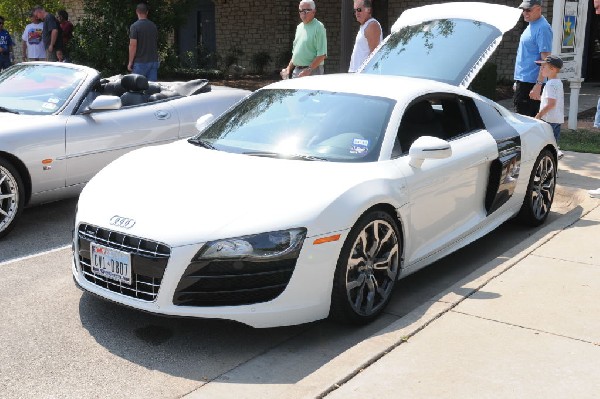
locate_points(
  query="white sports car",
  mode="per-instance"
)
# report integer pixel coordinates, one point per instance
(313, 196)
(61, 123)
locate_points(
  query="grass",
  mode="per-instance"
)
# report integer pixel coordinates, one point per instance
(580, 140)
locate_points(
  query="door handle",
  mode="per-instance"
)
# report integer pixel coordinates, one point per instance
(162, 115)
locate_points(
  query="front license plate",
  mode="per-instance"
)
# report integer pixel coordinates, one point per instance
(111, 263)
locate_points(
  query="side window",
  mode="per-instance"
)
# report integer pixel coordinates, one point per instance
(419, 119)
(444, 116)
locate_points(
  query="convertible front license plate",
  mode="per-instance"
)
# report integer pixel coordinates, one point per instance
(111, 263)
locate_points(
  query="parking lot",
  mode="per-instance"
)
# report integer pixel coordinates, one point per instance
(59, 342)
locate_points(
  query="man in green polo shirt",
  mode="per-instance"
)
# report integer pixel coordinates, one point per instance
(310, 44)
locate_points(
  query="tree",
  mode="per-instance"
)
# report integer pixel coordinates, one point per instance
(101, 37)
(16, 13)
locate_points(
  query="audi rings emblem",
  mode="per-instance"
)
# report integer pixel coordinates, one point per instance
(122, 222)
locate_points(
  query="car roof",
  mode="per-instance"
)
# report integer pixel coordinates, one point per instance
(399, 88)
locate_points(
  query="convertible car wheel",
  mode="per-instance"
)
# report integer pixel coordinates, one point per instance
(367, 269)
(11, 197)
(540, 191)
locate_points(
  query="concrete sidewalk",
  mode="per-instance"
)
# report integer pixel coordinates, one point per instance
(529, 327)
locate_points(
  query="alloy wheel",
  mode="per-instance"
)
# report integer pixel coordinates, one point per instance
(372, 267)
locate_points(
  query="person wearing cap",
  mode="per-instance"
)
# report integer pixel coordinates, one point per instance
(310, 44)
(535, 44)
(369, 34)
(33, 47)
(552, 104)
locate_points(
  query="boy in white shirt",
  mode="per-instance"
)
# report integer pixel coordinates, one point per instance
(552, 107)
(33, 47)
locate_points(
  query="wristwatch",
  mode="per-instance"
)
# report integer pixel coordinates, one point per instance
(537, 82)
(309, 68)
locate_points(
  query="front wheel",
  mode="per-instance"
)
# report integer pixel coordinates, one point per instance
(11, 197)
(367, 269)
(540, 191)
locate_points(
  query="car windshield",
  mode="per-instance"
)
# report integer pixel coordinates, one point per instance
(441, 50)
(37, 89)
(302, 124)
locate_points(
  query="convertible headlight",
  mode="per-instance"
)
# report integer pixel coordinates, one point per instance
(265, 246)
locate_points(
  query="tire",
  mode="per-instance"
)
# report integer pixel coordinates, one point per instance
(540, 190)
(367, 269)
(12, 198)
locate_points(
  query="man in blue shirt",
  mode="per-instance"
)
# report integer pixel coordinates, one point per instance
(535, 44)
(6, 47)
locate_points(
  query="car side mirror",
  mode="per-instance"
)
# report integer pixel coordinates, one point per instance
(427, 147)
(105, 103)
(203, 121)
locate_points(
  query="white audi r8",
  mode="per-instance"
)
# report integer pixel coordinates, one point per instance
(62, 123)
(313, 196)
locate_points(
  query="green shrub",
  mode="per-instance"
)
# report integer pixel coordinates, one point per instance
(101, 38)
(260, 61)
(486, 80)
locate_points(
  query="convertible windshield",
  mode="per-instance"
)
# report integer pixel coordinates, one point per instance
(444, 50)
(302, 125)
(37, 89)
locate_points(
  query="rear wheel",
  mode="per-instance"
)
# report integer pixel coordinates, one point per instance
(367, 269)
(540, 191)
(11, 197)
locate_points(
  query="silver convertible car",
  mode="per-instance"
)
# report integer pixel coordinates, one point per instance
(62, 123)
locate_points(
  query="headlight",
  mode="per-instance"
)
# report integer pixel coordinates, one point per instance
(259, 246)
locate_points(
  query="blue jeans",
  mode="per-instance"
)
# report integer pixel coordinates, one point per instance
(148, 69)
(556, 130)
(597, 118)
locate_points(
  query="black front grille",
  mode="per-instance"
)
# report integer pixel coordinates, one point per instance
(228, 283)
(148, 261)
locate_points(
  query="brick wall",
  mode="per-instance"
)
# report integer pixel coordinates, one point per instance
(248, 27)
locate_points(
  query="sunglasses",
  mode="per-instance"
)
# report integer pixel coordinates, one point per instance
(305, 11)
(358, 9)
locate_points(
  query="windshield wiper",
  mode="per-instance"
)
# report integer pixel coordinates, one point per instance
(301, 157)
(202, 143)
(4, 109)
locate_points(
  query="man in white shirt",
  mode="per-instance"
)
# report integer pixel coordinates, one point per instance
(33, 47)
(369, 34)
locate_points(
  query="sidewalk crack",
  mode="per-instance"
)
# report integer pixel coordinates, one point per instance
(525, 327)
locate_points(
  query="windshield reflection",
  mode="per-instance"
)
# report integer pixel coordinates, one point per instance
(443, 50)
(37, 89)
(302, 125)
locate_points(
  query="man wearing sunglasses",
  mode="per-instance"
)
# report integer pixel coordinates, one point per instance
(535, 44)
(310, 44)
(369, 34)
(6, 47)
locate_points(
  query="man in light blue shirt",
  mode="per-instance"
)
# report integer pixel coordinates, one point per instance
(535, 44)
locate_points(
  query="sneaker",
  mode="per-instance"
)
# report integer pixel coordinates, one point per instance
(560, 154)
(594, 193)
